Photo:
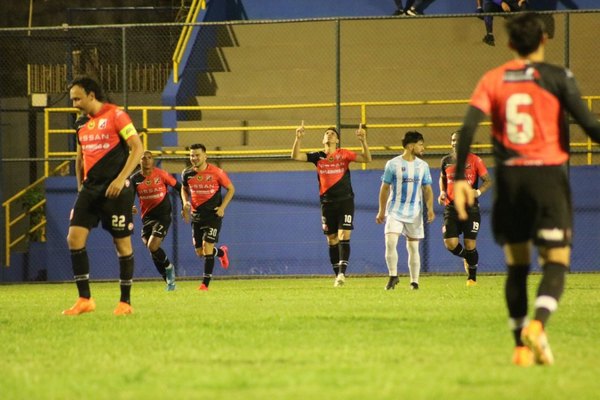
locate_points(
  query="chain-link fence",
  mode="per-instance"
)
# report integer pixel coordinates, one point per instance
(394, 74)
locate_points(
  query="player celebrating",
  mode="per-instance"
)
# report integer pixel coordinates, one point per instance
(405, 183)
(335, 190)
(201, 196)
(453, 227)
(527, 99)
(108, 150)
(151, 185)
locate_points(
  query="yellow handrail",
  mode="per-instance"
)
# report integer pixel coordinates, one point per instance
(363, 118)
(10, 222)
(195, 8)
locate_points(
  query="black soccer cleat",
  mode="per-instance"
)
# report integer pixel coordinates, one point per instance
(489, 40)
(391, 285)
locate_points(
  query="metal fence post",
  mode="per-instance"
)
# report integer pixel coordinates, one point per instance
(338, 77)
(124, 67)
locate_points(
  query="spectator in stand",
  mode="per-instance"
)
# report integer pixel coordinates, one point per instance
(413, 7)
(498, 6)
(479, 8)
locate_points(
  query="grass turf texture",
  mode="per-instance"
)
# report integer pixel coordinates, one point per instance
(292, 339)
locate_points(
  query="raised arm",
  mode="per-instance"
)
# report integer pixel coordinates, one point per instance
(365, 156)
(296, 154)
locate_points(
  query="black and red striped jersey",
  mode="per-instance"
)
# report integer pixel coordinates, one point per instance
(103, 142)
(333, 174)
(474, 169)
(152, 190)
(204, 187)
(526, 102)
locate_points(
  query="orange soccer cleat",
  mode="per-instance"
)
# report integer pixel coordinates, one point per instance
(82, 305)
(535, 338)
(123, 309)
(522, 356)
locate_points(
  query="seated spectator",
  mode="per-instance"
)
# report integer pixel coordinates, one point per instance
(479, 9)
(413, 7)
(497, 6)
(399, 8)
(417, 7)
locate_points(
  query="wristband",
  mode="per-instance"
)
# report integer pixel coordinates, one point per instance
(478, 192)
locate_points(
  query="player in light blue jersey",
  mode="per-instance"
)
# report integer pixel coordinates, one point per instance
(405, 185)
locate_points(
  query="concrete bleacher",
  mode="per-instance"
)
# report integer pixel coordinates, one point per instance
(399, 59)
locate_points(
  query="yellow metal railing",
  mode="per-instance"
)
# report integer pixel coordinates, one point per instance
(184, 38)
(362, 106)
(10, 222)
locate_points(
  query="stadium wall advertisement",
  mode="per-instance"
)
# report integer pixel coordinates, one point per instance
(272, 227)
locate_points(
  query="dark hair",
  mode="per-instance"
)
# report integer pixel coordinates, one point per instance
(89, 85)
(525, 32)
(333, 128)
(455, 133)
(197, 146)
(411, 137)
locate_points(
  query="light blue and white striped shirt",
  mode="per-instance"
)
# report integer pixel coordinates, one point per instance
(406, 179)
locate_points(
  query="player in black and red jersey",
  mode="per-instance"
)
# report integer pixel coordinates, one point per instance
(108, 150)
(453, 227)
(335, 190)
(151, 185)
(527, 99)
(203, 202)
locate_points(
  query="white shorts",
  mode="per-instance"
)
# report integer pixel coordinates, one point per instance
(413, 230)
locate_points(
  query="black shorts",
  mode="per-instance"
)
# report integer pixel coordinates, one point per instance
(155, 225)
(337, 215)
(206, 230)
(453, 227)
(92, 206)
(532, 203)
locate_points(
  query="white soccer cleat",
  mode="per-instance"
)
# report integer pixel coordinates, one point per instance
(340, 280)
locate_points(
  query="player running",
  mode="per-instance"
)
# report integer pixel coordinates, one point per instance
(151, 185)
(204, 204)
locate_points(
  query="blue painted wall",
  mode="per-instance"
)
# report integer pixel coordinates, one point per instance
(273, 227)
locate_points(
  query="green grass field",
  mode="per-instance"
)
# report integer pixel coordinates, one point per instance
(292, 339)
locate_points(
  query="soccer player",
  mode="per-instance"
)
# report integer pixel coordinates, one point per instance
(203, 202)
(108, 150)
(335, 190)
(527, 99)
(405, 183)
(151, 185)
(453, 227)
